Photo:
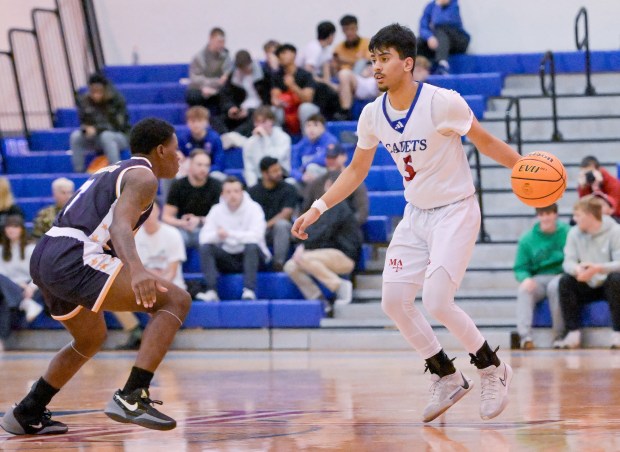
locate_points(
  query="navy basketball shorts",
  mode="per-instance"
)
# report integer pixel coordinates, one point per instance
(70, 277)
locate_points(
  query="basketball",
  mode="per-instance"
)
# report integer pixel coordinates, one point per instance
(538, 179)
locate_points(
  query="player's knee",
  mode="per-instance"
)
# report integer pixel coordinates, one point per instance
(89, 346)
(390, 306)
(184, 302)
(437, 308)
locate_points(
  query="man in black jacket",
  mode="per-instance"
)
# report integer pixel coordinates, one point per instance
(246, 88)
(104, 123)
(332, 249)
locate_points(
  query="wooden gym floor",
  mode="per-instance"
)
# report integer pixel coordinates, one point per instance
(353, 401)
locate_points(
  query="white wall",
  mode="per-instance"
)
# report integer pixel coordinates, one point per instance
(16, 14)
(168, 31)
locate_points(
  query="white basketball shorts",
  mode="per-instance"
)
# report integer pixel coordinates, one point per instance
(426, 239)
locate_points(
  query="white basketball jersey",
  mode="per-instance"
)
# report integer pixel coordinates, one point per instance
(425, 144)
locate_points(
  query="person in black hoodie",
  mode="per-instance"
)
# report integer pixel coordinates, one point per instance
(104, 123)
(332, 248)
(246, 88)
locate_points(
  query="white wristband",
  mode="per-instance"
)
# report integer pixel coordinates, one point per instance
(319, 205)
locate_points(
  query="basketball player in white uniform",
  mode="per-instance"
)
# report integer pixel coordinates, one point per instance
(421, 126)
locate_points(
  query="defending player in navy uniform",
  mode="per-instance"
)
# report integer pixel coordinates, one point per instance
(87, 263)
(421, 126)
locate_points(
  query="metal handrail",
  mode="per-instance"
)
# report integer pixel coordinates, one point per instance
(585, 43)
(63, 41)
(20, 99)
(92, 31)
(514, 101)
(548, 58)
(48, 102)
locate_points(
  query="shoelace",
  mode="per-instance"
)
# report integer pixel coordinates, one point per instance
(489, 383)
(151, 402)
(435, 391)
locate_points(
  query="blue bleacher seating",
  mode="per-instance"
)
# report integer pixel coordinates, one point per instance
(173, 113)
(152, 93)
(40, 185)
(595, 314)
(203, 315)
(155, 73)
(51, 140)
(269, 285)
(384, 178)
(377, 229)
(244, 314)
(295, 313)
(233, 158)
(529, 63)
(39, 162)
(388, 203)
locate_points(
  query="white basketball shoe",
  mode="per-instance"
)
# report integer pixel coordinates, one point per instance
(445, 392)
(494, 383)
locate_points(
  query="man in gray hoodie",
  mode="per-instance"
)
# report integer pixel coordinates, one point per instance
(592, 269)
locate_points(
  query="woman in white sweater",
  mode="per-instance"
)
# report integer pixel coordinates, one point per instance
(16, 287)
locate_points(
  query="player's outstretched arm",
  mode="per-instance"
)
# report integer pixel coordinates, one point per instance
(351, 178)
(492, 146)
(138, 190)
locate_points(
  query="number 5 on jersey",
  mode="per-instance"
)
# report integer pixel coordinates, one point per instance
(408, 169)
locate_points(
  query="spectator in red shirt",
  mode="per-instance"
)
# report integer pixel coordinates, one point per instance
(592, 178)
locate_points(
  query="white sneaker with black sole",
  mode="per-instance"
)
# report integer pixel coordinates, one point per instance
(445, 392)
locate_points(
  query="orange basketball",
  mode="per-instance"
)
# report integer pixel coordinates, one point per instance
(538, 179)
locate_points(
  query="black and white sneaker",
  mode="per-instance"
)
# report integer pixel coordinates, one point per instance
(137, 408)
(40, 425)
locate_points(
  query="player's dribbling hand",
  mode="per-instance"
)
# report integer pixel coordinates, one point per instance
(302, 223)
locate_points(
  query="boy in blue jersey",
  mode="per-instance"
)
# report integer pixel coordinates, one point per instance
(87, 263)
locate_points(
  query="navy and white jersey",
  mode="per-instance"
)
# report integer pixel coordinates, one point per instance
(91, 209)
(425, 142)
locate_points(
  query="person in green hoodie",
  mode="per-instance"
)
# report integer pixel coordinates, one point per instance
(537, 267)
(591, 269)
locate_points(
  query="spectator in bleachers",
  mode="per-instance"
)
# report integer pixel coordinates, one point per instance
(104, 123)
(191, 198)
(161, 250)
(62, 190)
(202, 136)
(292, 91)
(312, 148)
(267, 140)
(352, 63)
(317, 55)
(233, 240)
(7, 202)
(16, 286)
(246, 89)
(270, 64)
(537, 267)
(335, 162)
(608, 205)
(591, 269)
(316, 58)
(278, 200)
(592, 179)
(422, 69)
(442, 33)
(208, 72)
(331, 251)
